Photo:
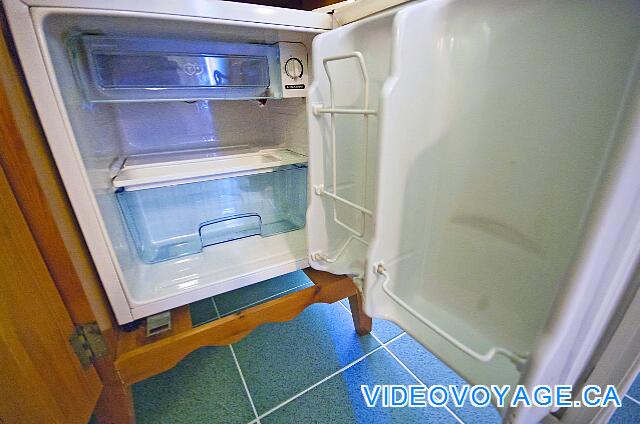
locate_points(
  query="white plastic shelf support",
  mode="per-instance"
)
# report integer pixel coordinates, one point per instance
(318, 110)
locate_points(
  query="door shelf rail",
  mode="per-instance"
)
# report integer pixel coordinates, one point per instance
(321, 191)
(332, 110)
(318, 109)
(320, 256)
(519, 360)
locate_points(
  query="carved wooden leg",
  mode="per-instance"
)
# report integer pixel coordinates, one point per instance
(115, 405)
(361, 321)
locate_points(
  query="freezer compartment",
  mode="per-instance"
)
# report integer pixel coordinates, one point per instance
(112, 69)
(174, 221)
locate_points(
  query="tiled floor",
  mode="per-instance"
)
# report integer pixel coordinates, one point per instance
(630, 410)
(306, 370)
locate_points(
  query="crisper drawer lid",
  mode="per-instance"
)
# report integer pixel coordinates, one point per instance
(162, 169)
(134, 69)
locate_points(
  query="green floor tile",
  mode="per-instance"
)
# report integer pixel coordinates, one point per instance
(205, 387)
(281, 359)
(634, 390)
(339, 400)
(432, 371)
(257, 293)
(628, 413)
(202, 312)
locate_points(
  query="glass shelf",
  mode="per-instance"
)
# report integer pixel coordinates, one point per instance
(171, 168)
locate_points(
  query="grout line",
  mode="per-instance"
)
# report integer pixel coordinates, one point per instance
(235, 359)
(308, 389)
(215, 307)
(244, 383)
(413, 374)
(349, 312)
(633, 399)
(384, 345)
(343, 305)
(372, 333)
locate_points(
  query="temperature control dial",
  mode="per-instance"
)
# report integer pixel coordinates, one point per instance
(293, 68)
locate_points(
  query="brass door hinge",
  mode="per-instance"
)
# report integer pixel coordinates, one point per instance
(88, 343)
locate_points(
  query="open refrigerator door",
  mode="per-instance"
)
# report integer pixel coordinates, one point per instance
(467, 160)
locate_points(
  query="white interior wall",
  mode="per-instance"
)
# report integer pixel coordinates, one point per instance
(166, 126)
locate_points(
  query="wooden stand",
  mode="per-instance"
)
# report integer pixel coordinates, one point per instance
(140, 357)
(361, 321)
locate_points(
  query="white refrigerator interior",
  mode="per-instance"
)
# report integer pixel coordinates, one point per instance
(189, 141)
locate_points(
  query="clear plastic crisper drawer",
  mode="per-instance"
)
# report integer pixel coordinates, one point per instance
(112, 69)
(173, 221)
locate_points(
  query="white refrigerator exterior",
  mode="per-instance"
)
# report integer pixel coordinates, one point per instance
(496, 216)
(473, 164)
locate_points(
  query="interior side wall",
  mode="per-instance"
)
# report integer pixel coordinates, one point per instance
(162, 126)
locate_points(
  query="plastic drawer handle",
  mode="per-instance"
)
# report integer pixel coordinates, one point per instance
(233, 236)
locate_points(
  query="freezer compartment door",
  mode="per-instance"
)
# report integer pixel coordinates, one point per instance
(497, 127)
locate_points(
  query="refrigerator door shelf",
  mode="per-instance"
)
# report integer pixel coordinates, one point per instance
(159, 170)
(350, 65)
(175, 221)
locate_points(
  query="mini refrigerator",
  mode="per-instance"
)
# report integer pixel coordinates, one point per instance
(473, 165)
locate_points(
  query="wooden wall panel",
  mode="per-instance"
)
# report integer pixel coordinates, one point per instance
(41, 379)
(32, 174)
